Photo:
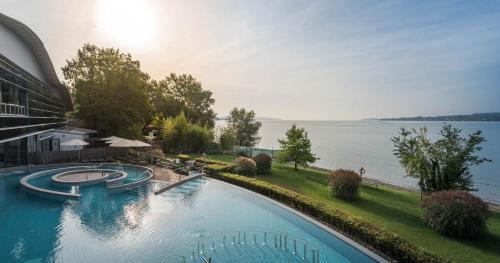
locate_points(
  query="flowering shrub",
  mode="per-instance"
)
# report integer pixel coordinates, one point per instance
(456, 213)
(244, 166)
(344, 184)
(263, 162)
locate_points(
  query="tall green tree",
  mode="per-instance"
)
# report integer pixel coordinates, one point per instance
(183, 93)
(109, 91)
(180, 136)
(296, 148)
(244, 127)
(440, 165)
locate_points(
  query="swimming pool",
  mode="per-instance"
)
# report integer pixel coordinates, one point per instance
(201, 218)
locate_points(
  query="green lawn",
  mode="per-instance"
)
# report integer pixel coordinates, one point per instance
(394, 210)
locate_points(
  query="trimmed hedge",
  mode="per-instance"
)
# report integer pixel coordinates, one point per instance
(245, 166)
(209, 161)
(219, 168)
(183, 158)
(389, 243)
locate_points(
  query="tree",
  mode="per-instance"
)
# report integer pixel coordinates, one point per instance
(244, 126)
(296, 148)
(109, 91)
(440, 165)
(227, 139)
(179, 135)
(182, 93)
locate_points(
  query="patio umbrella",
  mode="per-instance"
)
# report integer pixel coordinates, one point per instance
(141, 144)
(75, 142)
(128, 143)
(122, 143)
(112, 139)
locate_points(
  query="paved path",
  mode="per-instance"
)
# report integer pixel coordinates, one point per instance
(164, 174)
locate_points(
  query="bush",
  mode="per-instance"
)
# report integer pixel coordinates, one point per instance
(183, 158)
(263, 162)
(179, 135)
(456, 213)
(219, 168)
(390, 244)
(244, 166)
(202, 160)
(243, 153)
(344, 184)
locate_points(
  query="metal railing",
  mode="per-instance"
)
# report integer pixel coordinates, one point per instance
(12, 109)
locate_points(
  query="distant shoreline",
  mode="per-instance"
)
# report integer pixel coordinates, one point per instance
(488, 117)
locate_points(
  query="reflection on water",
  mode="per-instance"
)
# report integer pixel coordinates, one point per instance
(138, 226)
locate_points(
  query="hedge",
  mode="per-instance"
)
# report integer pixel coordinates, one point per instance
(384, 241)
(209, 161)
(183, 158)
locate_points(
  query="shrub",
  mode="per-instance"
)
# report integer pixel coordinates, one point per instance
(183, 158)
(263, 163)
(455, 213)
(390, 244)
(344, 184)
(219, 168)
(244, 166)
(243, 153)
(202, 160)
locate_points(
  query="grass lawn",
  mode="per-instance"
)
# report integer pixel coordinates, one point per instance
(394, 210)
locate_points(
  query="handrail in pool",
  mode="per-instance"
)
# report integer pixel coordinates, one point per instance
(132, 184)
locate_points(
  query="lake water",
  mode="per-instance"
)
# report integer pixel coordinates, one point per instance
(355, 144)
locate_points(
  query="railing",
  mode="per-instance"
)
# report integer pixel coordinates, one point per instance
(262, 244)
(12, 109)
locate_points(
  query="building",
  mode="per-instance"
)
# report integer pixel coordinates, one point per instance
(32, 100)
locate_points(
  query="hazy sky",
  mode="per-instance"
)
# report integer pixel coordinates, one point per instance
(296, 59)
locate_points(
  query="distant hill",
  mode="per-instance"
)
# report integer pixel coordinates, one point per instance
(490, 116)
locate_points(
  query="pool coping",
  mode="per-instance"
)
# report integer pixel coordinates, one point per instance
(46, 193)
(318, 223)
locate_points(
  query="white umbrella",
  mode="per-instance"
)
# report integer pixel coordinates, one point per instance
(112, 139)
(141, 144)
(75, 142)
(122, 143)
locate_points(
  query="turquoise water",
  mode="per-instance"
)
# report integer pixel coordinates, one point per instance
(355, 144)
(203, 217)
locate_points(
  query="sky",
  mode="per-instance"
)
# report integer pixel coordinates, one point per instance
(298, 60)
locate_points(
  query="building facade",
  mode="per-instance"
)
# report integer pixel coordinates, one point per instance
(33, 102)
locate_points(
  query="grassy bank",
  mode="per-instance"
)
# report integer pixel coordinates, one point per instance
(390, 209)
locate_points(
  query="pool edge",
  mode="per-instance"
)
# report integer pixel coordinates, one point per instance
(316, 222)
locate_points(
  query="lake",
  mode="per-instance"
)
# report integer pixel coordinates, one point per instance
(355, 144)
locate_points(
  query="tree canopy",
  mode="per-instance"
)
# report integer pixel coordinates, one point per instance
(109, 91)
(440, 165)
(183, 93)
(244, 127)
(180, 136)
(296, 148)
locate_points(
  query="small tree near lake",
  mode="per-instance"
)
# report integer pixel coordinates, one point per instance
(440, 165)
(244, 126)
(296, 148)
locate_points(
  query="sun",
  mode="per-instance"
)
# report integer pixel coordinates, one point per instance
(129, 23)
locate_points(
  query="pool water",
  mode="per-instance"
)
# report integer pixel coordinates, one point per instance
(201, 218)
